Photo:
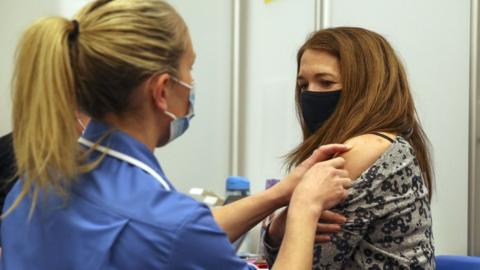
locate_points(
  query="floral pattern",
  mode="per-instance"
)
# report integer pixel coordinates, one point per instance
(389, 223)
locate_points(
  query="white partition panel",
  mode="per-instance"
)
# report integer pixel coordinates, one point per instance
(200, 158)
(474, 162)
(432, 38)
(273, 33)
(15, 17)
(68, 8)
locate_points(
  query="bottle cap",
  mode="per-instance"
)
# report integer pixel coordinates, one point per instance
(270, 183)
(237, 183)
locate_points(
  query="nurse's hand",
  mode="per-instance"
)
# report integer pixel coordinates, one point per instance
(288, 184)
(323, 186)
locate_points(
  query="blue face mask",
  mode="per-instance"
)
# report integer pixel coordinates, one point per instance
(181, 123)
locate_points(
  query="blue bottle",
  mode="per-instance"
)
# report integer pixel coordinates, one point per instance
(236, 188)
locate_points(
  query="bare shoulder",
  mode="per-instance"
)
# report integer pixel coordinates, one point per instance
(366, 149)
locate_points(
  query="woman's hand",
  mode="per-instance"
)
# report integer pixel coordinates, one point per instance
(288, 184)
(329, 223)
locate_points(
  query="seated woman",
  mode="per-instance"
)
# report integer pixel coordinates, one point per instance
(352, 88)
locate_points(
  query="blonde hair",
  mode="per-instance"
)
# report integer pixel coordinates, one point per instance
(60, 70)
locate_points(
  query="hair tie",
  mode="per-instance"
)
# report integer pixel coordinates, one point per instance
(408, 133)
(76, 30)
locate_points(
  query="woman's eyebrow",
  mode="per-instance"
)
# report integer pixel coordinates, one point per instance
(318, 75)
(324, 74)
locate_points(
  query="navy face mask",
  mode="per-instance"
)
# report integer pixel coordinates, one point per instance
(317, 107)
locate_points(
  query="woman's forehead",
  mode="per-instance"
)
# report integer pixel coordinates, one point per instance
(317, 61)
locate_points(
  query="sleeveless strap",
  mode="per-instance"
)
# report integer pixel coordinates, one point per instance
(383, 136)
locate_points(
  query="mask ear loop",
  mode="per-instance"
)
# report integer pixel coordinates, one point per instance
(407, 134)
(182, 83)
(169, 114)
(190, 88)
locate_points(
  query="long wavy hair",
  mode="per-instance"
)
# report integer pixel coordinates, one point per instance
(375, 95)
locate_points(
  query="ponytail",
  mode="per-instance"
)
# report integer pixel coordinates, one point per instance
(60, 70)
(44, 107)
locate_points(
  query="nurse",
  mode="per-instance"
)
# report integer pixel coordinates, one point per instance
(104, 202)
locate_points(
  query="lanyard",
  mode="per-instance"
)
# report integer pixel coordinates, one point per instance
(131, 160)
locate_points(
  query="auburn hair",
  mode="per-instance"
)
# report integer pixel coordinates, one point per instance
(375, 95)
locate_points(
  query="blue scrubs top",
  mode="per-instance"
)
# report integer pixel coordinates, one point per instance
(117, 217)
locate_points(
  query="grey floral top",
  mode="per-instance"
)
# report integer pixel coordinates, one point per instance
(389, 224)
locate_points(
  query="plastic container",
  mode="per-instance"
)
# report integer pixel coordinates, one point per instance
(263, 228)
(236, 188)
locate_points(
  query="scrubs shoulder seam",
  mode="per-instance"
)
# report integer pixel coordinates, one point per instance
(118, 212)
(187, 219)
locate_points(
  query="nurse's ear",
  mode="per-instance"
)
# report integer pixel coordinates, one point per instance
(158, 89)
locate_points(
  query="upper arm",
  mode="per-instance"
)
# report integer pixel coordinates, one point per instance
(201, 244)
(366, 149)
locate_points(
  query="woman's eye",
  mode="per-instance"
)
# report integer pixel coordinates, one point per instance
(302, 85)
(326, 83)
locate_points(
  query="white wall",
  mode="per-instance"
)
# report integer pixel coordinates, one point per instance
(273, 34)
(68, 8)
(15, 17)
(200, 158)
(476, 200)
(432, 38)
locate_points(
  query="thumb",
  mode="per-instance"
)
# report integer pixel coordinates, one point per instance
(323, 153)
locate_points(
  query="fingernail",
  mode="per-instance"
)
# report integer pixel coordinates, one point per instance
(348, 146)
